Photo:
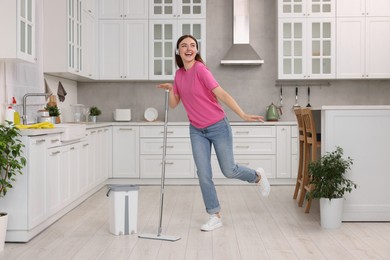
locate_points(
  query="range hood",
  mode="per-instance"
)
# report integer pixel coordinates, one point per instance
(241, 52)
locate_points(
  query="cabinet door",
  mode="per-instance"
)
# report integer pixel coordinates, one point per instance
(53, 203)
(321, 47)
(197, 29)
(135, 49)
(163, 37)
(283, 151)
(89, 46)
(110, 9)
(377, 47)
(135, 9)
(350, 8)
(26, 29)
(350, 48)
(306, 8)
(377, 7)
(36, 180)
(125, 151)
(74, 36)
(84, 167)
(110, 49)
(292, 49)
(65, 171)
(162, 9)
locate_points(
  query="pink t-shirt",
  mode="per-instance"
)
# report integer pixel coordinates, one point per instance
(194, 87)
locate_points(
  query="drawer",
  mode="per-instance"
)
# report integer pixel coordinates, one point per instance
(176, 166)
(53, 140)
(253, 131)
(254, 146)
(158, 131)
(174, 146)
(267, 162)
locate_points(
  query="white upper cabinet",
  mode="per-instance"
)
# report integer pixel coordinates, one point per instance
(306, 39)
(306, 8)
(17, 30)
(168, 20)
(169, 9)
(363, 39)
(354, 8)
(123, 9)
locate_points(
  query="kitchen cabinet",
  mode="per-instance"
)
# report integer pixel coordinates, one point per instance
(306, 40)
(123, 9)
(123, 49)
(100, 155)
(179, 162)
(89, 40)
(283, 152)
(177, 8)
(125, 142)
(253, 147)
(363, 37)
(168, 20)
(63, 40)
(18, 30)
(163, 36)
(294, 152)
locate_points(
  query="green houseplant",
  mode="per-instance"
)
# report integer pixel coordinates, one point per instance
(93, 113)
(330, 185)
(54, 111)
(11, 164)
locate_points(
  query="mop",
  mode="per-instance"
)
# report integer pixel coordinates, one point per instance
(159, 236)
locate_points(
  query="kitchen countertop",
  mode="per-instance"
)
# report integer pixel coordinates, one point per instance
(35, 132)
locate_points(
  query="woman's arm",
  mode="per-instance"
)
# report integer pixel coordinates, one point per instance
(174, 100)
(227, 99)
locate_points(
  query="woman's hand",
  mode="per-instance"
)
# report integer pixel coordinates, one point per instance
(167, 86)
(252, 118)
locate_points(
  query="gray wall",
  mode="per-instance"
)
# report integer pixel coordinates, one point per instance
(252, 86)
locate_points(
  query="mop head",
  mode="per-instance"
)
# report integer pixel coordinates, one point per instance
(160, 237)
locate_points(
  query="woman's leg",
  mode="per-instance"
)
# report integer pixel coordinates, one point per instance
(201, 150)
(220, 135)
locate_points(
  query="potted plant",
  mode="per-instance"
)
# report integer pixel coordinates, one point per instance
(93, 113)
(330, 185)
(54, 111)
(11, 164)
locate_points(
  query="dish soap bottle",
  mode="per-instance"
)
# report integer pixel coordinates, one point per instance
(16, 113)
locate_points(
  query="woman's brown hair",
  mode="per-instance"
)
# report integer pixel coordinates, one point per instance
(179, 61)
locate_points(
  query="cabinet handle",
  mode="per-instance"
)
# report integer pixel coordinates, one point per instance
(168, 132)
(92, 132)
(168, 146)
(125, 129)
(99, 131)
(40, 141)
(170, 163)
(54, 153)
(84, 145)
(242, 146)
(72, 148)
(242, 132)
(54, 140)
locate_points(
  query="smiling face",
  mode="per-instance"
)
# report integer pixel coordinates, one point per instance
(187, 51)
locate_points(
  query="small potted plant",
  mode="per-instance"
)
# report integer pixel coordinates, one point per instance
(330, 185)
(93, 113)
(11, 164)
(54, 112)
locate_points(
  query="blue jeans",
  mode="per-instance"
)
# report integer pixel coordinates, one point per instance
(220, 136)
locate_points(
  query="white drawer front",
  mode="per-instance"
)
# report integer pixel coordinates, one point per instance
(254, 146)
(178, 166)
(253, 131)
(174, 146)
(267, 162)
(53, 140)
(158, 131)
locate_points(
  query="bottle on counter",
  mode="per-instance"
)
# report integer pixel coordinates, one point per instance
(16, 113)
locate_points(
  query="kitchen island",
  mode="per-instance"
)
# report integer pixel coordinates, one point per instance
(363, 133)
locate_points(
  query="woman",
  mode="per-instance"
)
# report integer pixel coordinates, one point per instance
(196, 87)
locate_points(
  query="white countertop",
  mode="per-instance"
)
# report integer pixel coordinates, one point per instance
(362, 107)
(34, 132)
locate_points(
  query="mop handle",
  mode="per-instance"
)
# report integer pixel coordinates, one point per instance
(163, 160)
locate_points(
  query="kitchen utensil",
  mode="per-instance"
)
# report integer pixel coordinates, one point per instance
(296, 98)
(281, 97)
(158, 236)
(151, 114)
(308, 97)
(273, 113)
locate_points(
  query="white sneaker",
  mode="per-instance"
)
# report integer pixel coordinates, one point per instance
(213, 223)
(264, 186)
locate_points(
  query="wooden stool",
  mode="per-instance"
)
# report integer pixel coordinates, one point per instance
(301, 146)
(313, 142)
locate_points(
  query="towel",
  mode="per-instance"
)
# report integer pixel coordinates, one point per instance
(43, 125)
(48, 90)
(61, 92)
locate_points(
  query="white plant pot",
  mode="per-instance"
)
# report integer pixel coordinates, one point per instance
(331, 212)
(3, 229)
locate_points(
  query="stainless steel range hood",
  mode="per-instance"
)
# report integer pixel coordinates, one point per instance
(241, 52)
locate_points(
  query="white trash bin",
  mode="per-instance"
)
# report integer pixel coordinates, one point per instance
(123, 208)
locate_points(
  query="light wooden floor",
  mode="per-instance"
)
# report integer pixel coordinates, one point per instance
(254, 228)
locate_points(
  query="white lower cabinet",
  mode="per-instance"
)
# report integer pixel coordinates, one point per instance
(178, 163)
(125, 157)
